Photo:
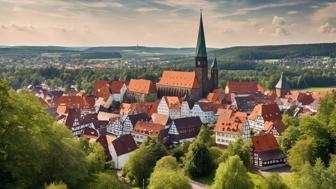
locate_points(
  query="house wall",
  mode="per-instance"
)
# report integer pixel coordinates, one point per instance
(119, 161)
(257, 124)
(206, 117)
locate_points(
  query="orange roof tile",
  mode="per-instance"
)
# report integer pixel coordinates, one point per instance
(277, 124)
(141, 86)
(148, 128)
(179, 79)
(160, 119)
(265, 142)
(231, 123)
(101, 88)
(173, 101)
(116, 86)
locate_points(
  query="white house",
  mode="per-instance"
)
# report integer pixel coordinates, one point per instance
(184, 129)
(125, 124)
(230, 127)
(171, 106)
(118, 149)
(205, 110)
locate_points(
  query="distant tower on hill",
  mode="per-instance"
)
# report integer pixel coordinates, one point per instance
(282, 87)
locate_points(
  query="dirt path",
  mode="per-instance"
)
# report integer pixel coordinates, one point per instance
(197, 185)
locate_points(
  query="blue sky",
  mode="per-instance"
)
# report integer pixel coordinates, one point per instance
(170, 23)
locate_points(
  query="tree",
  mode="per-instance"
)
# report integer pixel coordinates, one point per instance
(301, 153)
(141, 163)
(204, 136)
(167, 174)
(232, 174)
(60, 185)
(289, 137)
(238, 148)
(105, 181)
(274, 181)
(198, 161)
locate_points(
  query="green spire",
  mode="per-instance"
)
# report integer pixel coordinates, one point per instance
(201, 48)
(214, 64)
(282, 83)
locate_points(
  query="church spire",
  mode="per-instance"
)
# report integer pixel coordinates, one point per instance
(200, 47)
(214, 64)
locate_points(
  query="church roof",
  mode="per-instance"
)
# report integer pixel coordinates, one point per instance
(179, 79)
(214, 64)
(141, 86)
(282, 83)
(201, 47)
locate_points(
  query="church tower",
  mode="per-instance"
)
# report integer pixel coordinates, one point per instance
(282, 87)
(201, 61)
(214, 74)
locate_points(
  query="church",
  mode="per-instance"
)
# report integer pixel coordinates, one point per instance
(196, 84)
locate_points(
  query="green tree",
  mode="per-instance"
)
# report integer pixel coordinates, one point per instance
(238, 148)
(301, 153)
(167, 174)
(59, 185)
(273, 181)
(198, 160)
(105, 181)
(232, 174)
(204, 136)
(141, 163)
(289, 137)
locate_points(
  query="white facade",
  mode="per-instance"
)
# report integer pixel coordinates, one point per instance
(121, 126)
(139, 138)
(163, 108)
(205, 116)
(119, 161)
(185, 110)
(258, 124)
(224, 138)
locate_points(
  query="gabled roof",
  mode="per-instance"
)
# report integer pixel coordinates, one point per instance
(277, 124)
(282, 83)
(231, 124)
(139, 117)
(124, 144)
(141, 86)
(148, 128)
(201, 47)
(137, 108)
(244, 87)
(172, 101)
(82, 102)
(187, 122)
(269, 112)
(101, 88)
(264, 143)
(116, 86)
(305, 98)
(179, 79)
(73, 113)
(161, 119)
(206, 106)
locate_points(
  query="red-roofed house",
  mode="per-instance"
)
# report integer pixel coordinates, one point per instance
(141, 90)
(118, 149)
(265, 153)
(171, 106)
(82, 102)
(262, 113)
(143, 130)
(205, 110)
(275, 128)
(234, 88)
(230, 126)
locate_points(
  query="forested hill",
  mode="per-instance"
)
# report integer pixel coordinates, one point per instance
(275, 52)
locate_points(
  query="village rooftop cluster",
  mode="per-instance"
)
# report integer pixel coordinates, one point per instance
(120, 115)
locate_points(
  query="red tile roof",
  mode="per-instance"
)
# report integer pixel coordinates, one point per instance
(206, 106)
(231, 124)
(244, 87)
(179, 79)
(161, 119)
(148, 128)
(217, 96)
(136, 108)
(82, 102)
(116, 86)
(263, 143)
(269, 112)
(101, 88)
(141, 86)
(173, 101)
(279, 126)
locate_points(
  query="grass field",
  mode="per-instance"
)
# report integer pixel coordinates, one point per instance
(315, 89)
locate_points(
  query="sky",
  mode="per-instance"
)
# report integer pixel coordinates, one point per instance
(166, 23)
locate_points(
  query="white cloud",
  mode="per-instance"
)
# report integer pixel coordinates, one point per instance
(292, 12)
(278, 21)
(146, 9)
(261, 31)
(327, 28)
(279, 31)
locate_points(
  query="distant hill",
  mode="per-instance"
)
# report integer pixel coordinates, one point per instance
(275, 51)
